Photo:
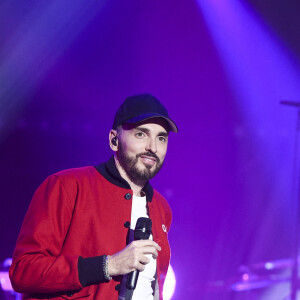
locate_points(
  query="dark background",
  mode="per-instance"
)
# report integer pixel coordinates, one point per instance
(220, 68)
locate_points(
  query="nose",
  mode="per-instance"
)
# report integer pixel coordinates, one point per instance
(151, 145)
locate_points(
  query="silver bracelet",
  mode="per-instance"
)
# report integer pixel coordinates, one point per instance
(105, 268)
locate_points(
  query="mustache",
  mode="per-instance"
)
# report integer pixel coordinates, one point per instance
(149, 154)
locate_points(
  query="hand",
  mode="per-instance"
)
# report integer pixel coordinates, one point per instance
(133, 257)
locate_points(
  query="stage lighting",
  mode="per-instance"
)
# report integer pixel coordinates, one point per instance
(170, 283)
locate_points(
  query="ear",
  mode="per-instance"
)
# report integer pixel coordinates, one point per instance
(113, 135)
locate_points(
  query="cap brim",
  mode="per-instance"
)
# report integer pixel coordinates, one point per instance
(140, 118)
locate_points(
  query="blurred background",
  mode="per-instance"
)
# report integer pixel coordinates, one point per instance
(220, 67)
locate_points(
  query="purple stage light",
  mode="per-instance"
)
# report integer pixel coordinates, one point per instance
(259, 68)
(261, 71)
(35, 45)
(269, 266)
(5, 282)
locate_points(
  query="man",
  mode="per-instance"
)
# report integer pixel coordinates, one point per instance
(75, 241)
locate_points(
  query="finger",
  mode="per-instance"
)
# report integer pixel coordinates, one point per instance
(140, 263)
(155, 255)
(144, 260)
(143, 243)
(140, 267)
(138, 252)
(149, 250)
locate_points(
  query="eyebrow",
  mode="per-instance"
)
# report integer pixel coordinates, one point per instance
(146, 130)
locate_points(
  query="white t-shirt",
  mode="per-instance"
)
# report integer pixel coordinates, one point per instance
(143, 290)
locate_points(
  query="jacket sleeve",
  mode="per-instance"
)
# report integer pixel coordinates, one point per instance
(39, 266)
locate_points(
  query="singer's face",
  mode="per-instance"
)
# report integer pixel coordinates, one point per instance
(142, 148)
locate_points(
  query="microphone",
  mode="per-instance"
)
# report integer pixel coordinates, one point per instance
(142, 231)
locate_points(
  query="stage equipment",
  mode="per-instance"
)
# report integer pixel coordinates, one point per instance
(296, 185)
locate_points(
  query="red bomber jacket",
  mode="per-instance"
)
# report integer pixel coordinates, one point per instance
(75, 218)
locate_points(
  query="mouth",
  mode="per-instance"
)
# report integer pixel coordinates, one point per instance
(148, 160)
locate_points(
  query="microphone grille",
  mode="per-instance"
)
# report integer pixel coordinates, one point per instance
(143, 228)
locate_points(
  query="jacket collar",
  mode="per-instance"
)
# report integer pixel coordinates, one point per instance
(110, 172)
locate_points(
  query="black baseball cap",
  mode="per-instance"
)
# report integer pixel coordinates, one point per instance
(141, 107)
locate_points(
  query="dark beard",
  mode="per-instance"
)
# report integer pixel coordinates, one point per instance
(129, 164)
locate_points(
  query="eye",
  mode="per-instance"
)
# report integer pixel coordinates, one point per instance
(140, 134)
(162, 139)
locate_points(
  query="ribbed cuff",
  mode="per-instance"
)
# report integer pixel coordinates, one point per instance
(90, 270)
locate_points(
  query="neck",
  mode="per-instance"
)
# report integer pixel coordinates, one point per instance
(136, 186)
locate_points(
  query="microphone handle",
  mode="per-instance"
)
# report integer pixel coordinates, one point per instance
(132, 279)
